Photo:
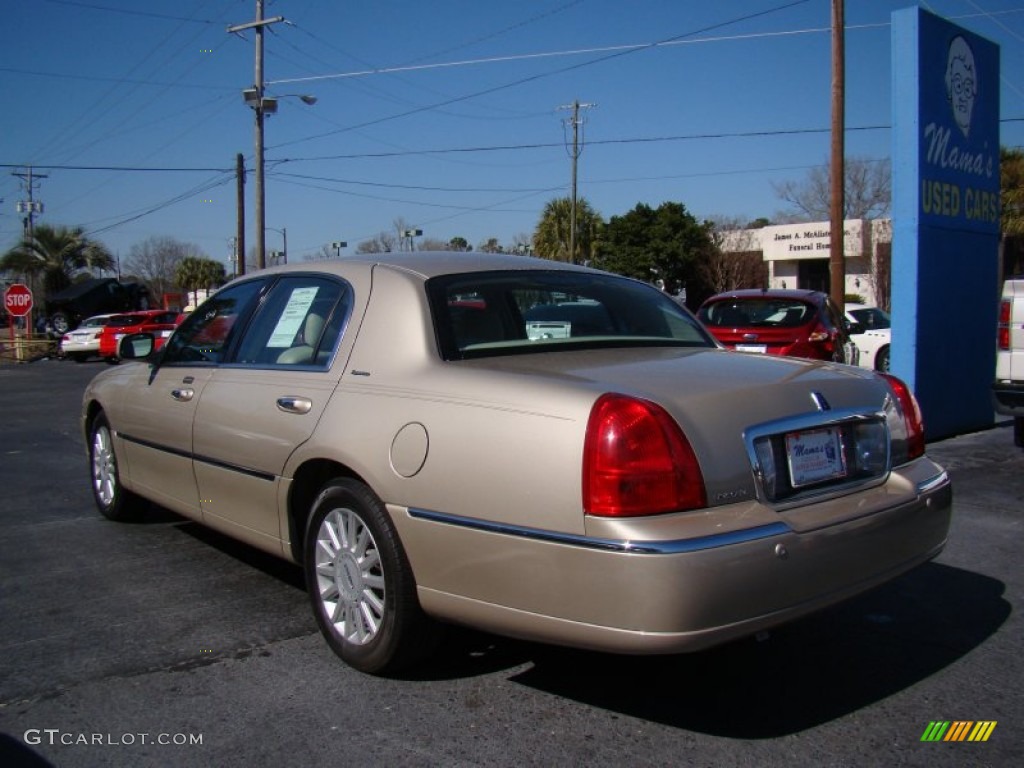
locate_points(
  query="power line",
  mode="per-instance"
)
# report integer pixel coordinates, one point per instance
(543, 75)
(117, 80)
(129, 12)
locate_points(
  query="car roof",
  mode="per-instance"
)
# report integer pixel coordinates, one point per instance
(772, 293)
(427, 264)
(141, 314)
(77, 290)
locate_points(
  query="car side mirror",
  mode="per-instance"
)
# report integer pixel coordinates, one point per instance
(854, 328)
(136, 346)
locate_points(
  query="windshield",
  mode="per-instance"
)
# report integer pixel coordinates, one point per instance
(499, 313)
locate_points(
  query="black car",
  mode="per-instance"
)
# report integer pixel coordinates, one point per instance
(97, 296)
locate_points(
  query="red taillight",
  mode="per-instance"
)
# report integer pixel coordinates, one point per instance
(637, 461)
(911, 416)
(820, 335)
(1003, 333)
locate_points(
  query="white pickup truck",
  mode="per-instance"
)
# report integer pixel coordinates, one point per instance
(1008, 390)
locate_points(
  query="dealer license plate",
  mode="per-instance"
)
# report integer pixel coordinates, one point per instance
(759, 348)
(814, 457)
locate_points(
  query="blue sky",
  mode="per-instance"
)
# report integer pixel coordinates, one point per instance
(444, 114)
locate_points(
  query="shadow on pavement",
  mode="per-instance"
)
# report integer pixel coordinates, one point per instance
(807, 673)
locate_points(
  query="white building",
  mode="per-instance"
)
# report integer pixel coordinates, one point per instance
(798, 254)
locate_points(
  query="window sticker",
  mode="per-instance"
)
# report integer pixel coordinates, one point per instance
(292, 317)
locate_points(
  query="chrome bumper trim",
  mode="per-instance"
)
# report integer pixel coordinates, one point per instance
(933, 483)
(674, 547)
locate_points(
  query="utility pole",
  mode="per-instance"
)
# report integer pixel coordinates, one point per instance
(31, 206)
(254, 98)
(837, 256)
(574, 155)
(240, 232)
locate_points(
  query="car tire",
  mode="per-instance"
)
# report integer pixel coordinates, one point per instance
(360, 583)
(112, 500)
(61, 323)
(882, 360)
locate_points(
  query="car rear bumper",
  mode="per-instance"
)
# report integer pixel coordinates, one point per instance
(1008, 398)
(667, 596)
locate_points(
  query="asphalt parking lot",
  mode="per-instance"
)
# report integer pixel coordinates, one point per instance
(119, 637)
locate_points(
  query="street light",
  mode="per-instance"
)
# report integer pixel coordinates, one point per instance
(409, 234)
(284, 236)
(264, 105)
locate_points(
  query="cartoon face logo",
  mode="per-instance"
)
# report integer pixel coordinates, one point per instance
(961, 82)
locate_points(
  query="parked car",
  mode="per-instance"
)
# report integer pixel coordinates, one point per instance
(95, 296)
(795, 323)
(1008, 390)
(84, 342)
(160, 322)
(871, 330)
(394, 424)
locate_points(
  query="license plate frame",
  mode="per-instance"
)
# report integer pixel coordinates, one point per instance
(758, 349)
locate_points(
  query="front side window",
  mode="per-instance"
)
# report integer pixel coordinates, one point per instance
(206, 334)
(517, 312)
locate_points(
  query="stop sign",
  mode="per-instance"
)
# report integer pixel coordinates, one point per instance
(18, 300)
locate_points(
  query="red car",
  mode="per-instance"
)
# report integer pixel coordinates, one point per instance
(159, 322)
(795, 323)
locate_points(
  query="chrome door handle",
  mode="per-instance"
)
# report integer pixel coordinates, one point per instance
(298, 405)
(183, 395)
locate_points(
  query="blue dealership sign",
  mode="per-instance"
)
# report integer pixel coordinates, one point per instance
(945, 218)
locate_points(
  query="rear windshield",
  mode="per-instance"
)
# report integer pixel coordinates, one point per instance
(756, 313)
(119, 321)
(872, 318)
(95, 322)
(499, 313)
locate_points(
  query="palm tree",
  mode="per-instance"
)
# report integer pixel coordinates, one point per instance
(551, 238)
(56, 254)
(194, 273)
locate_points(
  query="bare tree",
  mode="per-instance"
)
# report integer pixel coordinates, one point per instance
(867, 192)
(156, 259)
(433, 244)
(384, 242)
(736, 261)
(323, 253)
(521, 243)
